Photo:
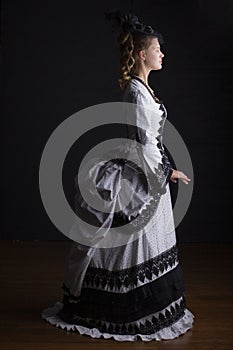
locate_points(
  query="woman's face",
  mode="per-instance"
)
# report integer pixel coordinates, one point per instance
(153, 56)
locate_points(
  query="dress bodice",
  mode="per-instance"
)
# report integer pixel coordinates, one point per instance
(150, 122)
(148, 125)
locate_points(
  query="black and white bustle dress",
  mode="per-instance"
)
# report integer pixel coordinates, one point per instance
(135, 290)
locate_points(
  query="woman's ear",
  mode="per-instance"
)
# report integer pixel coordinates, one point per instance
(142, 55)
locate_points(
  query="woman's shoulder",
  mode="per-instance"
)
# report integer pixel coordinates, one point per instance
(136, 92)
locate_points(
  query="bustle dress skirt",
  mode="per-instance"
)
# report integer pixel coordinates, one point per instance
(134, 290)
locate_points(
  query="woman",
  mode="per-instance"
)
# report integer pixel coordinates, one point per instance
(135, 290)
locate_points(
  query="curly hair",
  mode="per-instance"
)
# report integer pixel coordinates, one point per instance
(129, 46)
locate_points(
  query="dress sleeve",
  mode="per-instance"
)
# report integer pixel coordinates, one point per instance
(167, 167)
(145, 125)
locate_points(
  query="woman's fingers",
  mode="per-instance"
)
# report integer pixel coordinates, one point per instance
(185, 179)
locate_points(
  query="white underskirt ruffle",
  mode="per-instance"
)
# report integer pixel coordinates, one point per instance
(177, 329)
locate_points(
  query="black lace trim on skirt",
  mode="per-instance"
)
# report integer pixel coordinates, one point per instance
(98, 277)
(149, 326)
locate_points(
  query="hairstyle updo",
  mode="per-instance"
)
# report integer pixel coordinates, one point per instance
(130, 44)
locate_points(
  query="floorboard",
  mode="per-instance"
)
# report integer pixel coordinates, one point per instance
(32, 272)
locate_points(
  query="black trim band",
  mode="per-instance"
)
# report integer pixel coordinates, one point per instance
(149, 326)
(127, 307)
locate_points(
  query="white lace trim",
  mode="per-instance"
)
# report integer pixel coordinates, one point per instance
(177, 329)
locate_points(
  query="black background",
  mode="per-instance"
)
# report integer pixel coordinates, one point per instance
(59, 57)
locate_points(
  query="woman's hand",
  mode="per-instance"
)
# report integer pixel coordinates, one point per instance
(179, 175)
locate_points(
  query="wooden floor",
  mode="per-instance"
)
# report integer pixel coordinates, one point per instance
(32, 272)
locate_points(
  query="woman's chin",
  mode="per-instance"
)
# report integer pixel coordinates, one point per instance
(158, 67)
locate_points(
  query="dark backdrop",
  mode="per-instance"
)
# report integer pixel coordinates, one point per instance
(59, 57)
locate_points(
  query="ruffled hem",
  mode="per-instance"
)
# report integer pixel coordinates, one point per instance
(171, 332)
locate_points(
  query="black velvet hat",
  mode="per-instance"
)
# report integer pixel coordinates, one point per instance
(130, 23)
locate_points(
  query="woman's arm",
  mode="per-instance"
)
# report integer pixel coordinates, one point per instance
(146, 131)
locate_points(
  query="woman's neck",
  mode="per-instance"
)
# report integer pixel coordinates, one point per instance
(142, 74)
